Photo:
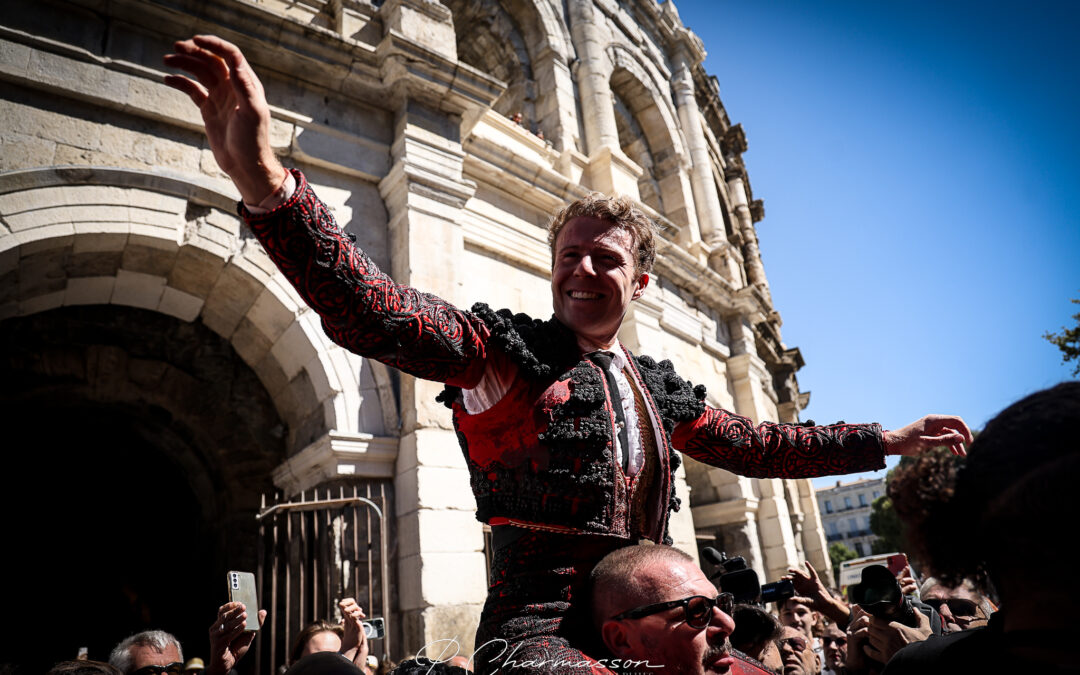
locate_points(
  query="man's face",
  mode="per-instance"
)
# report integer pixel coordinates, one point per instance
(665, 639)
(835, 642)
(594, 279)
(797, 652)
(959, 607)
(146, 655)
(798, 616)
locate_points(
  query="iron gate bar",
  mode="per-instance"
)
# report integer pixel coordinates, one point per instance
(314, 506)
(299, 508)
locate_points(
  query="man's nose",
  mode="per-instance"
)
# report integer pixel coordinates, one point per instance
(585, 267)
(722, 620)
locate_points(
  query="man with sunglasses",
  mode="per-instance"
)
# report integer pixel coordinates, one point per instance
(656, 611)
(152, 652)
(834, 641)
(960, 608)
(797, 654)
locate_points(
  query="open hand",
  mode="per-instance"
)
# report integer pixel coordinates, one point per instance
(234, 109)
(929, 432)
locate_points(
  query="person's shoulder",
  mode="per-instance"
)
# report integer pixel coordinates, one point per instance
(969, 651)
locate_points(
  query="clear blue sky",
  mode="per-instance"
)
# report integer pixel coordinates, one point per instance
(920, 168)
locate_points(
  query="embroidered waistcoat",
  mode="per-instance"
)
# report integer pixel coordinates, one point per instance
(543, 456)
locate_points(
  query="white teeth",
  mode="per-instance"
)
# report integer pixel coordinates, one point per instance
(583, 295)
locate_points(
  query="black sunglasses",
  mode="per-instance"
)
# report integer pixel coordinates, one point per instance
(841, 641)
(176, 668)
(697, 608)
(957, 606)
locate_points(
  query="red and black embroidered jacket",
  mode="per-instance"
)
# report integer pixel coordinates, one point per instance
(543, 455)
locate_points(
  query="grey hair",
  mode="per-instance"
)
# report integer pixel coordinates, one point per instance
(120, 658)
(984, 602)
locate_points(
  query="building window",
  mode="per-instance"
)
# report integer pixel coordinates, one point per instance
(828, 506)
(862, 499)
(847, 502)
(859, 549)
(876, 494)
(833, 529)
(853, 526)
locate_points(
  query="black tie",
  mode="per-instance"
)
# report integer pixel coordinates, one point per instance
(603, 359)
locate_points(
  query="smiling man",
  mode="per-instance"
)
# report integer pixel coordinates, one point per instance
(570, 439)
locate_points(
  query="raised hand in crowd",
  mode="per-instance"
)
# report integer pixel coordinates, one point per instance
(354, 644)
(877, 639)
(234, 109)
(932, 431)
(228, 639)
(811, 591)
(906, 579)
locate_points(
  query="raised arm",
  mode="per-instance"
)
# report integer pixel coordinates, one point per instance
(769, 450)
(361, 308)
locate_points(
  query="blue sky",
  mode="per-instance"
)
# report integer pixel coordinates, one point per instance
(920, 173)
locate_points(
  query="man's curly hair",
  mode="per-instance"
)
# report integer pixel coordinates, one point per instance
(621, 212)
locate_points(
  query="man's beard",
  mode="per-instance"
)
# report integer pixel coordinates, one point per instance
(714, 652)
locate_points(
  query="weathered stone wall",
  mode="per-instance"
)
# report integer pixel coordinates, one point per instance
(404, 116)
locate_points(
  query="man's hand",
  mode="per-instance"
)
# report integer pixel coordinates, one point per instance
(882, 639)
(228, 641)
(354, 644)
(930, 432)
(234, 110)
(812, 592)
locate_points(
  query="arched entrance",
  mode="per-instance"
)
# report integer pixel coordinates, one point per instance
(137, 448)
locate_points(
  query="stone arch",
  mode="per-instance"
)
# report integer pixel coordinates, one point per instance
(92, 236)
(648, 129)
(520, 42)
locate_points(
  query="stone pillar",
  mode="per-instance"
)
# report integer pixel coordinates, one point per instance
(815, 548)
(556, 105)
(755, 271)
(438, 536)
(440, 558)
(593, 75)
(710, 216)
(777, 538)
(747, 372)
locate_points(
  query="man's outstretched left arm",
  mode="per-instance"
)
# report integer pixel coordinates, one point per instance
(768, 450)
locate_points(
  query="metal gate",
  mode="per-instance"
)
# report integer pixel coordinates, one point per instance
(315, 550)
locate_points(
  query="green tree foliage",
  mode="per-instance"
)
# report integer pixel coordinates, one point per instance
(886, 525)
(1068, 341)
(838, 553)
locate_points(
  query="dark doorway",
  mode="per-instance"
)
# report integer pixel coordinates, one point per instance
(136, 447)
(108, 539)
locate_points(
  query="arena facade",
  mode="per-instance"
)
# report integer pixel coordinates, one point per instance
(163, 386)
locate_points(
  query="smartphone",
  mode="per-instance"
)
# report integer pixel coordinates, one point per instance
(242, 589)
(374, 628)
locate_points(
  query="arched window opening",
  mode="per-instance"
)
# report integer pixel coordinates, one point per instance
(490, 39)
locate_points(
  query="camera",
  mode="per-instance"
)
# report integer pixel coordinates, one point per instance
(879, 594)
(742, 582)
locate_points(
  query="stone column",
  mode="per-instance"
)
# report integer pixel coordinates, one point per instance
(710, 216)
(556, 105)
(747, 371)
(440, 558)
(755, 271)
(593, 75)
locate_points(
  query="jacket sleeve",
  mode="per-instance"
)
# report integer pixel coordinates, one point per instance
(769, 450)
(363, 309)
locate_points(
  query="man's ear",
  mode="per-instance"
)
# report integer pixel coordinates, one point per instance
(642, 282)
(616, 638)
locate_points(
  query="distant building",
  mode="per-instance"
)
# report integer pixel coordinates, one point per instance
(845, 512)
